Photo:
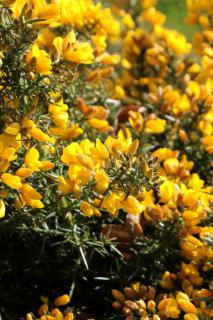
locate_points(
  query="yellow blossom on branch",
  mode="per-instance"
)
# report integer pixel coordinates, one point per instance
(2, 208)
(39, 60)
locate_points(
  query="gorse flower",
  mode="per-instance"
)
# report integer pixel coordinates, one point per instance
(39, 60)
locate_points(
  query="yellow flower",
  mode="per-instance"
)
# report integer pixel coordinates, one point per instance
(100, 152)
(62, 300)
(109, 59)
(208, 143)
(69, 41)
(58, 315)
(206, 127)
(70, 153)
(46, 317)
(29, 316)
(6, 156)
(183, 135)
(171, 165)
(151, 15)
(99, 42)
(155, 126)
(24, 172)
(46, 165)
(57, 48)
(101, 125)
(165, 153)
(85, 160)
(185, 304)
(31, 196)
(190, 316)
(87, 209)
(194, 68)
(182, 105)
(168, 308)
(102, 180)
(176, 42)
(32, 159)
(67, 133)
(39, 60)
(119, 92)
(191, 246)
(190, 197)
(195, 182)
(192, 218)
(69, 316)
(107, 23)
(136, 120)
(11, 180)
(71, 50)
(28, 123)
(187, 164)
(182, 295)
(132, 205)
(87, 12)
(146, 4)
(79, 173)
(112, 203)
(167, 282)
(36, 9)
(193, 89)
(81, 53)
(2, 208)
(10, 141)
(13, 128)
(58, 112)
(190, 271)
(151, 305)
(123, 143)
(92, 111)
(43, 309)
(87, 146)
(45, 38)
(66, 186)
(33, 164)
(128, 21)
(39, 135)
(169, 192)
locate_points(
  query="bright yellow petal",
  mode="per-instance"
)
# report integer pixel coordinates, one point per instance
(11, 180)
(2, 208)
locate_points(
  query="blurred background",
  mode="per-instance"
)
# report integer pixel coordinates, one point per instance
(175, 11)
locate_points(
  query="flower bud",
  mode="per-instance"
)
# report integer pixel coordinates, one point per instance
(62, 300)
(151, 305)
(118, 295)
(116, 305)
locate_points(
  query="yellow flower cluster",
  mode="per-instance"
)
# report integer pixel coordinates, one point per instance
(146, 304)
(56, 13)
(55, 314)
(88, 161)
(50, 55)
(158, 69)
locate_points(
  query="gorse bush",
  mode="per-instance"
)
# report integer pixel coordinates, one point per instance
(105, 161)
